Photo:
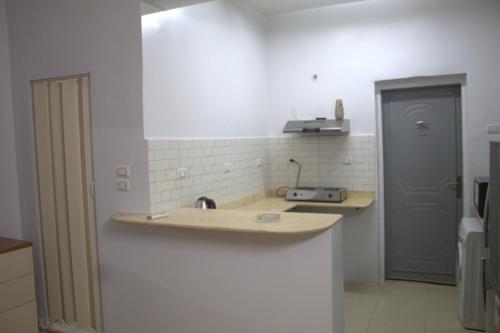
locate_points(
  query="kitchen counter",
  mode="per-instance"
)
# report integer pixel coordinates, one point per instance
(236, 220)
(292, 269)
(240, 216)
(224, 265)
(355, 200)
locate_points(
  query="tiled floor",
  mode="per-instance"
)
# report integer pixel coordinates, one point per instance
(401, 307)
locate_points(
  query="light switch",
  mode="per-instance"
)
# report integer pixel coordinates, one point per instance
(182, 173)
(259, 162)
(123, 171)
(228, 167)
(123, 185)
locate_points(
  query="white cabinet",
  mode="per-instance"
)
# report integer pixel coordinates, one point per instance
(17, 288)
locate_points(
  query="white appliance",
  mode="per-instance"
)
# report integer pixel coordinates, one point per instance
(471, 308)
(492, 242)
(321, 194)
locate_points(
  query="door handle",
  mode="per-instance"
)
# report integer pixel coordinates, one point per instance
(458, 186)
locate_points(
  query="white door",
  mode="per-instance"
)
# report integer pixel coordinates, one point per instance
(63, 143)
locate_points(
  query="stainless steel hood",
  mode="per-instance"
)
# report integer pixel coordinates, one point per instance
(319, 126)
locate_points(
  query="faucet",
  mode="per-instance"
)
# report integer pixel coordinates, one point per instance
(298, 174)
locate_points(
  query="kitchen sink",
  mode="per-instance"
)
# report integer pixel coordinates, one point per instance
(313, 209)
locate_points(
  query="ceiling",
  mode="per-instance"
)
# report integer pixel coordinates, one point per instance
(151, 6)
(266, 7)
(274, 7)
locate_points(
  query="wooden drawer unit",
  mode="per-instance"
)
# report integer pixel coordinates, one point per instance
(17, 288)
(15, 264)
(16, 292)
(22, 319)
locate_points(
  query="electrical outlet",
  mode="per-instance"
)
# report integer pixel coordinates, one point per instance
(493, 128)
(228, 167)
(123, 185)
(182, 173)
(347, 160)
(259, 162)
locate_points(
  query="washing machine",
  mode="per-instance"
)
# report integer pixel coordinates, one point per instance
(470, 300)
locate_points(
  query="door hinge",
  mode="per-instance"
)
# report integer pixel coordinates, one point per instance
(92, 190)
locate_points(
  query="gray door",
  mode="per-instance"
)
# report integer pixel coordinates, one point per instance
(422, 174)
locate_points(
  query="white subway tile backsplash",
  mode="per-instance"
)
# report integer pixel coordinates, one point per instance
(321, 159)
(205, 160)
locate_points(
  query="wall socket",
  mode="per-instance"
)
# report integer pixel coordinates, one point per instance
(228, 167)
(182, 173)
(347, 160)
(493, 128)
(123, 185)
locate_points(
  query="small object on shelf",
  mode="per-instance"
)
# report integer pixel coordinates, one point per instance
(157, 216)
(268, 218)
(339, 110)
(205, 203)
(317, 126)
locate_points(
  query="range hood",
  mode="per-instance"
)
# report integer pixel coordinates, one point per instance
(318, 125)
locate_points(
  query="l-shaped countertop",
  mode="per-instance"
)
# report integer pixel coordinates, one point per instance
(241, 216)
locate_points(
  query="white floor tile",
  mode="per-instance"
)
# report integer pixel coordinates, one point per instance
(387, 326)
(400, 306)
(441, 314)
(440, 329)
(356, 324)
(399, 290)
(359, 304)
(363, 289)
(443, 295)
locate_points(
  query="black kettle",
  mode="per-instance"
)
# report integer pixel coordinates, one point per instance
(205, 203)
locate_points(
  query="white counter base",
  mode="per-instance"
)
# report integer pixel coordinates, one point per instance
(216, 282)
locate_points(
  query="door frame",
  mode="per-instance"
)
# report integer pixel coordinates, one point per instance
(406, 83)
(93, 250)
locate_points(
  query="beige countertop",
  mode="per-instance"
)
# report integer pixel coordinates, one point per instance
(355, 200)
(241, 216)
(231, 220)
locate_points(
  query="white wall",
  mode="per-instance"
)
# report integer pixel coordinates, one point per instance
(101, 37)
(205, 72)
(10, 226)
(354, 45)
